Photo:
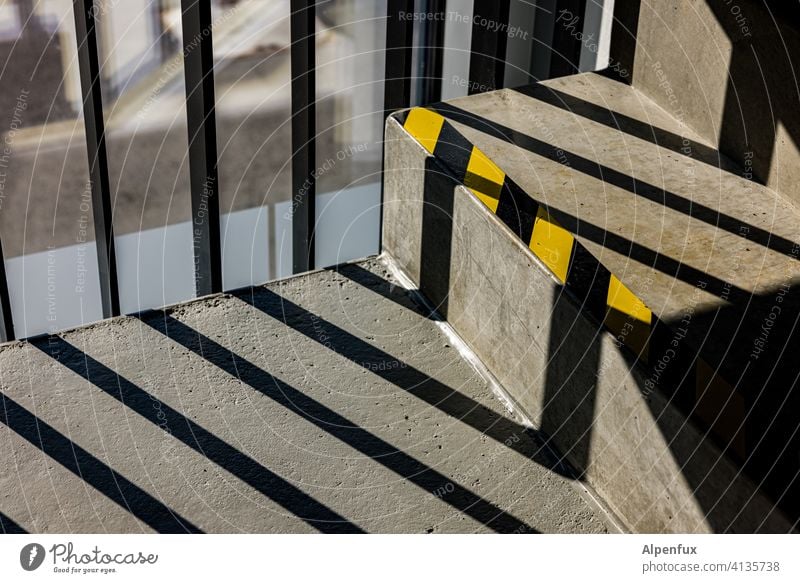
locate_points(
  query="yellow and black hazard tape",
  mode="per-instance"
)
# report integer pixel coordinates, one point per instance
(692, 383)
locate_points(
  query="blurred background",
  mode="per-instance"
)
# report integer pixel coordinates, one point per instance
(45, 198)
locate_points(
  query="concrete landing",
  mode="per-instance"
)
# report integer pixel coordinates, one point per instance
(328, 402)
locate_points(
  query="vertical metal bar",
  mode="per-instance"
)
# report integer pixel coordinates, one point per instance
(6, 320)
(487, 62)
(432, 51)
(397, 71)
(399, 40)
(302, 24)
(541, 47)
(198, 55)
(569, 18)
(622, 51)
(88, 64)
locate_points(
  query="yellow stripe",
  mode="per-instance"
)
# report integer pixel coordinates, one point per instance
(721, 406)
(552, 243)
(488, 189)
(425, 125)
(628, 318)
(623, 300)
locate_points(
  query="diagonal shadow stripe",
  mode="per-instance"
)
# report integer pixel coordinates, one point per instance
(338, 426)
(391, 291)
(646, 256)
(427, 389)
(198, 438)
(91, 470)
(573, 414)
(8, 526)
(619, 179)
(629, 125)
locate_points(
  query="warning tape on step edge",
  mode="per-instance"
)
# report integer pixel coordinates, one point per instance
(675, 368)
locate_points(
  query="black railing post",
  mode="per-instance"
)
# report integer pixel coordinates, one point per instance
(397, 71)
(198, 57)
(302, 24)
(487, 63)
(399, 40)
(432, 51)
(89, 67)
(623, 41)
(568, 20)
(6, 320)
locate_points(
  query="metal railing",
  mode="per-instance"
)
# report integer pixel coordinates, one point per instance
(486, 72)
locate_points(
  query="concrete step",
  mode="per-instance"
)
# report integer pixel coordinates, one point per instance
(330, 402)
(667, 245)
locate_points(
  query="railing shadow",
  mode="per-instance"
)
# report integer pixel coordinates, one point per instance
(384, 288)
(630, 126)
(621, 180)
(574, 362)
(8, 526)
(84, 465)
(406, 377)
(329, 421)
(196, 437)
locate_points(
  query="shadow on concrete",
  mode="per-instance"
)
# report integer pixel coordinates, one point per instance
(755, 347)
(91, 470)
(762, 439)
(384, 288)
(194, 436)
(651, 258)
(619, 179)
(761, 71)
(568, 407)
(427, 389)
(8, 526)
(329, 421)
(630, 126)
(437, 234)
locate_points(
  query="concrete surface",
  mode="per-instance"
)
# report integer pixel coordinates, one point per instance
(655, 469)
(325, 402)
(729, 70)
(683, 226)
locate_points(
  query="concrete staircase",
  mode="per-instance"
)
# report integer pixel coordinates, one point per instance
(623, 280)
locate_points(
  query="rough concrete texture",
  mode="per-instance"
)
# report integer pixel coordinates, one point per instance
(656, 470)
(326, 402)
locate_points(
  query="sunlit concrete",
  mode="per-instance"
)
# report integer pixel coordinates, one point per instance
(326, 402)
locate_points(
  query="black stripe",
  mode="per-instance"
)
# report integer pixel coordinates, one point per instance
(454, 150)
(588, 279)
(517, 210)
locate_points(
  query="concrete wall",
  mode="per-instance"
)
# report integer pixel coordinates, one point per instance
(652, 467)
(726, 68)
